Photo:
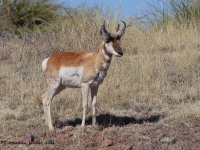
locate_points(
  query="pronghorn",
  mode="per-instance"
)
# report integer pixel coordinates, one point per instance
(83, 69)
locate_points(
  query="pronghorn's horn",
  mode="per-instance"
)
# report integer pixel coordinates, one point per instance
(105, 34)
(122, 31)
(118, 27)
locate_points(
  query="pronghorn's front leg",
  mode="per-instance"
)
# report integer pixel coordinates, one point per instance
(94, 91)
(85, 91)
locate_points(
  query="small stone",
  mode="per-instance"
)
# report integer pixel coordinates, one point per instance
(31, 148)
(98, 128)
(36, 140)
(41, 133)
(144, 138)
(90, 143)
(28, 138)
(106, 143)
(148, 147)
(128, 147)
(168, 140)
(62, 138)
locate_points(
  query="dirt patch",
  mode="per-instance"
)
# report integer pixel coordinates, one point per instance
(129, 136)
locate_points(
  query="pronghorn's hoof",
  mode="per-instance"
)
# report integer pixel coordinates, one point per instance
(51, 129)
(46, 121)
(98, 128)
(81, 128)
(82, 125)
(94, 128)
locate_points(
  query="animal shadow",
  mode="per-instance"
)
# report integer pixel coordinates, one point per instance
(108, 120)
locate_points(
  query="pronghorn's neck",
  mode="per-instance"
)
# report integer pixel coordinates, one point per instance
(104, 54)
(101, 65)
(103, 58)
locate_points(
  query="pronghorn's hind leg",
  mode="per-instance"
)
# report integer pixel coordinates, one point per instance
(54, 87)
(44, 97)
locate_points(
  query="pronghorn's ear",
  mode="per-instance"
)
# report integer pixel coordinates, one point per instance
(104, 33)
(122, 31)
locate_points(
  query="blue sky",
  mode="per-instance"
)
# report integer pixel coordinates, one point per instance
(127, 7)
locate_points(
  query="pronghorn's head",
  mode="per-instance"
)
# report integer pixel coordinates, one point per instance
(112, 40)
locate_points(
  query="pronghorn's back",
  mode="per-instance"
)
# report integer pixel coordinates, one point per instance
(66, 59)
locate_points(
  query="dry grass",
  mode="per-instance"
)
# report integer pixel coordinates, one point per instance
(159, 73)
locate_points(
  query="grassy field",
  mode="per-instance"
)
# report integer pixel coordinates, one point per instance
(157, 76)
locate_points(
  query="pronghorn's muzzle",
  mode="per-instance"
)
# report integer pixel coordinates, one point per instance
(120, 54)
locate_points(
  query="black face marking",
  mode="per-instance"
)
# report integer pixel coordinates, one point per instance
(113, 39)
(118, 38)
(107, 40)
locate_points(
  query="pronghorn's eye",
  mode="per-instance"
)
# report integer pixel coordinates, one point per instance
(110, 39)
(118, 38)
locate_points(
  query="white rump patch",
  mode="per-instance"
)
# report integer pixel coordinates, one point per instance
(71, 76)
(44, 63)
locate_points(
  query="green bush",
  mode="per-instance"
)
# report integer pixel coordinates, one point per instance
(26, 14)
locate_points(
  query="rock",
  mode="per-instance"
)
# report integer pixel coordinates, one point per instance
(128, 147)
(159, 133)
(41, 133)
(62, 138)
(98, 128)
(106, 143)
(168, 140)
(144, 138)
(89, 143)
(28, 138)
(149, 147)
(36, 140)
(31, 148)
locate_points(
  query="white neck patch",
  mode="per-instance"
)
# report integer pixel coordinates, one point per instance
(105, 65)
(107, 57)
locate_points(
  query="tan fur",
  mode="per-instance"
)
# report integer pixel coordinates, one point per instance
(71, 59)
(90, 60)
